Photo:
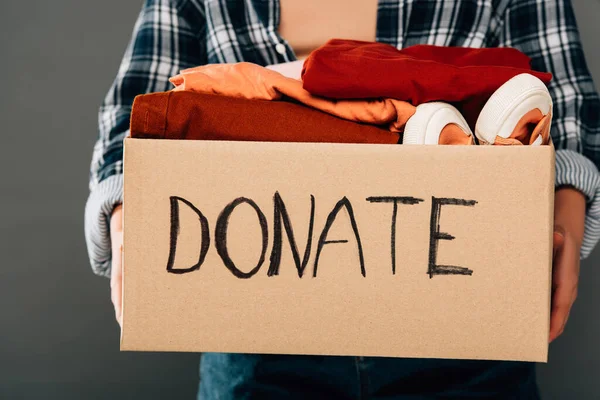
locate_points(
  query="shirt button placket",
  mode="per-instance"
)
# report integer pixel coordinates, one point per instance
(280, 48)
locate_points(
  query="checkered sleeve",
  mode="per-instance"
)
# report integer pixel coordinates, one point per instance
(547, 32)
(167, 37)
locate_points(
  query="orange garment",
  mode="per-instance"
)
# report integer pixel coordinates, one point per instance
(190, 115)
(254, 82)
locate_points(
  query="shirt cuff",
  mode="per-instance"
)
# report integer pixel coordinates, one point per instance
(574, 169)
(98, 209)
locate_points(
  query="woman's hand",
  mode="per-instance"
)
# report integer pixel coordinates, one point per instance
(569, 221)
(116, 274)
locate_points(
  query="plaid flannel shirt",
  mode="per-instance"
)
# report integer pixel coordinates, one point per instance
(170, 35)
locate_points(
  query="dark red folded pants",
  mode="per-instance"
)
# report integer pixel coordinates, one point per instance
(191, 115)
(465, 77)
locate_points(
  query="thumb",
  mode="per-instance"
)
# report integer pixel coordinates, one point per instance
(558, 239)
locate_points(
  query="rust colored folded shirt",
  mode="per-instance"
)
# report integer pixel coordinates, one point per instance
(254, 82)
(190, 115)
(465, 77)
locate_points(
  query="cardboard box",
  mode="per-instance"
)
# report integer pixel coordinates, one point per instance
(414, 251)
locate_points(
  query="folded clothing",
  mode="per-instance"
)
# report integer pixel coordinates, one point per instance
(254, 82)
(465, 77)
(190, 115)
(291, 69)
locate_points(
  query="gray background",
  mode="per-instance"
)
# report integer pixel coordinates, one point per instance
(58, 338)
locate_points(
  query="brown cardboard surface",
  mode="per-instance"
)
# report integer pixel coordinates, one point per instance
(500, 229)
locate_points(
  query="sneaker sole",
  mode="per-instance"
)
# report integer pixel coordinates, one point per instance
(509, 104)
(428, 121)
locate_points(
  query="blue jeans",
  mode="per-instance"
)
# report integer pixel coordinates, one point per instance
(265, 377)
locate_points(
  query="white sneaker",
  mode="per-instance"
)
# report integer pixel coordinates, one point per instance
(519, 112)
(437, 123)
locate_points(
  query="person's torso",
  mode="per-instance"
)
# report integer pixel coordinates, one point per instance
(307, 24)
(253, 31)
